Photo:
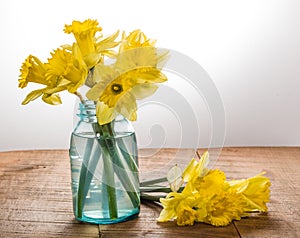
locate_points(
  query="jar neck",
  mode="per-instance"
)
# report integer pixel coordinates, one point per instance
(87, 112)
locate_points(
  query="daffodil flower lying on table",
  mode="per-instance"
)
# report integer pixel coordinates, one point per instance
(208, 197)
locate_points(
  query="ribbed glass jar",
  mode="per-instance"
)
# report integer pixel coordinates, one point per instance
(104, 169)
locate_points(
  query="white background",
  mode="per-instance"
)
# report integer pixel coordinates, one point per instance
(251, 50)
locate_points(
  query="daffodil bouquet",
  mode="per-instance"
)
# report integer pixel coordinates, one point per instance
(116, 71)
(135, 70)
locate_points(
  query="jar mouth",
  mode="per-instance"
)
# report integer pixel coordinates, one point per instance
(87, 111)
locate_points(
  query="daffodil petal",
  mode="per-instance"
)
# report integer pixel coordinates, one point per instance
(33, 95)
(190, 170)
(108, 42)
(144, 90)
(127, 106)
(53, 99)
(92, 59)
(95, 92)
(104, 113)
(151, 75)
(166, 215)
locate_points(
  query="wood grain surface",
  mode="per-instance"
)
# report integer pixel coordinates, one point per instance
(36, 201)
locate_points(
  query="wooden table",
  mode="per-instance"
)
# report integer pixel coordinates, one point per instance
(35, 198)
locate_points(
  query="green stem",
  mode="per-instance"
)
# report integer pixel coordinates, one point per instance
(82, 178)
(110, 188)
(150, 197)
(161, 189)
(156, 189)
(126, 182)
(153, 181)
(109, 182)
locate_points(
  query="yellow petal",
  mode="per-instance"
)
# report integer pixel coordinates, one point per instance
(140, 57)
(92, 59)
(104, 113)
(144, 90)
(108, 42)
(196, 168)
(147, 75)
(53, 99)
(127, 106)
(33, 95)
(190, 170)
(96, 91)
(166, 215)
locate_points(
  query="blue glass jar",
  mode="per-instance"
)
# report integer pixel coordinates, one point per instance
(104, 169)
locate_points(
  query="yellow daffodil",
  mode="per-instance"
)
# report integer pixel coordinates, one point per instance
(34, 71)
(85, 35)
(223, 208)
(255, 191)
(119, 86)
(136, 51)
(92, 47)
(135, 39)
(66, 70)
(133, 76)
(120, 94)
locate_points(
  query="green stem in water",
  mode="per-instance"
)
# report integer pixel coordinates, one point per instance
(125, 180)
(104, 141)
(82, 178)
(112, 147)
